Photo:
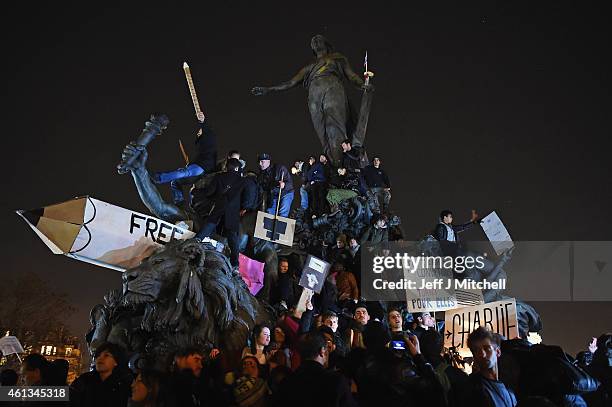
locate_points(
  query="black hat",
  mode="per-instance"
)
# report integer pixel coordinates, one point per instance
(264, 156)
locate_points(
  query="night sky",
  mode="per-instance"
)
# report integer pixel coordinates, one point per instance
(494, 107)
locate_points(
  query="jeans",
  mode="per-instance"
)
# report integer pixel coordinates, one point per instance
(174, 178)
(374, 196)
(303, 198)
(285, 205)
(232, 240)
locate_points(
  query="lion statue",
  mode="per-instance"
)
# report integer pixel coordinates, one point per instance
(185, 294)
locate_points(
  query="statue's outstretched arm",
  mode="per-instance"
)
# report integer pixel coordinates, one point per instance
(149, 194)
(291, 83)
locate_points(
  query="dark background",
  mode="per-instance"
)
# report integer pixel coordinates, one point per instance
(487, 106)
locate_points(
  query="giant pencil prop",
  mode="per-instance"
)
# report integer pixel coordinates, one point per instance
(100, 233)
(192, 91)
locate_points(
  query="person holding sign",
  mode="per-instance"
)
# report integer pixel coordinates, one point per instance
(484, 387)
(274, 178)
(448, 234)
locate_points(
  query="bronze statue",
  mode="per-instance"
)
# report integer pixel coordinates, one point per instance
(327, 101)
(185, 294)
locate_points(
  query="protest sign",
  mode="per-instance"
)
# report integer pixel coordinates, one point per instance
(10, 345)
(100, 233)
(278, 230)
(314, 274)
(499, 317)
(496, 233)
(252, 273)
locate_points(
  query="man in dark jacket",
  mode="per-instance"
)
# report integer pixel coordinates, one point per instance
(483, 388)
(323, 387)
(448, 234)
(317, 178)
(378, 186)
(204, 163)
(270, 179)
(351, 157)
(226, 192)
(186, 380)
(106, 386)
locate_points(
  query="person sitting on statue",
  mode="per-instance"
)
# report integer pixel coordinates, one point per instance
(378, 232)
(317, 178)
(204, 163)
(378, 186)
(448, 234)
(270, 179)
(344, 185)
(226, 191)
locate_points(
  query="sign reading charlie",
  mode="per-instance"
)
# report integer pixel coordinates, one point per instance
(498, 317)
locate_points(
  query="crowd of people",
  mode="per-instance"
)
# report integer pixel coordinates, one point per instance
(332, 360)
(338, 350)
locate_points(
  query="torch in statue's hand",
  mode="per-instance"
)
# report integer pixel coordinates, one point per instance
(260, 91)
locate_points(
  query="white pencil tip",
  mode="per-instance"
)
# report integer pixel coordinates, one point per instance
(185, 65)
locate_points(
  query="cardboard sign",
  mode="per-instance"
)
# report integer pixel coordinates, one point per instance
(314, 274)
(279, 230)
(252, 273)
(10, 345)
(100, 233)
(497, 233)
(498, 317)
(439, 297)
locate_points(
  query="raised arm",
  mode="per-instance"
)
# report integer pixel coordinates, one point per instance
(291, 83)
(148, 192)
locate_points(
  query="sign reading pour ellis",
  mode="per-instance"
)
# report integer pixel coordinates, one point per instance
(498, 317)
(100, 233)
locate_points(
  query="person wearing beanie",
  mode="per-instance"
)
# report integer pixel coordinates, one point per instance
(271, 178)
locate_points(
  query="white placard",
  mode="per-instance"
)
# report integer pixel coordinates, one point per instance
(497, 233)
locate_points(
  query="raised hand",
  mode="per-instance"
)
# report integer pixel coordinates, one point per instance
(413, 344)
(260, 91)
(136, 153)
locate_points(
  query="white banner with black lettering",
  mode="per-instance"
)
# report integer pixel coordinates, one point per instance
(100, 233)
